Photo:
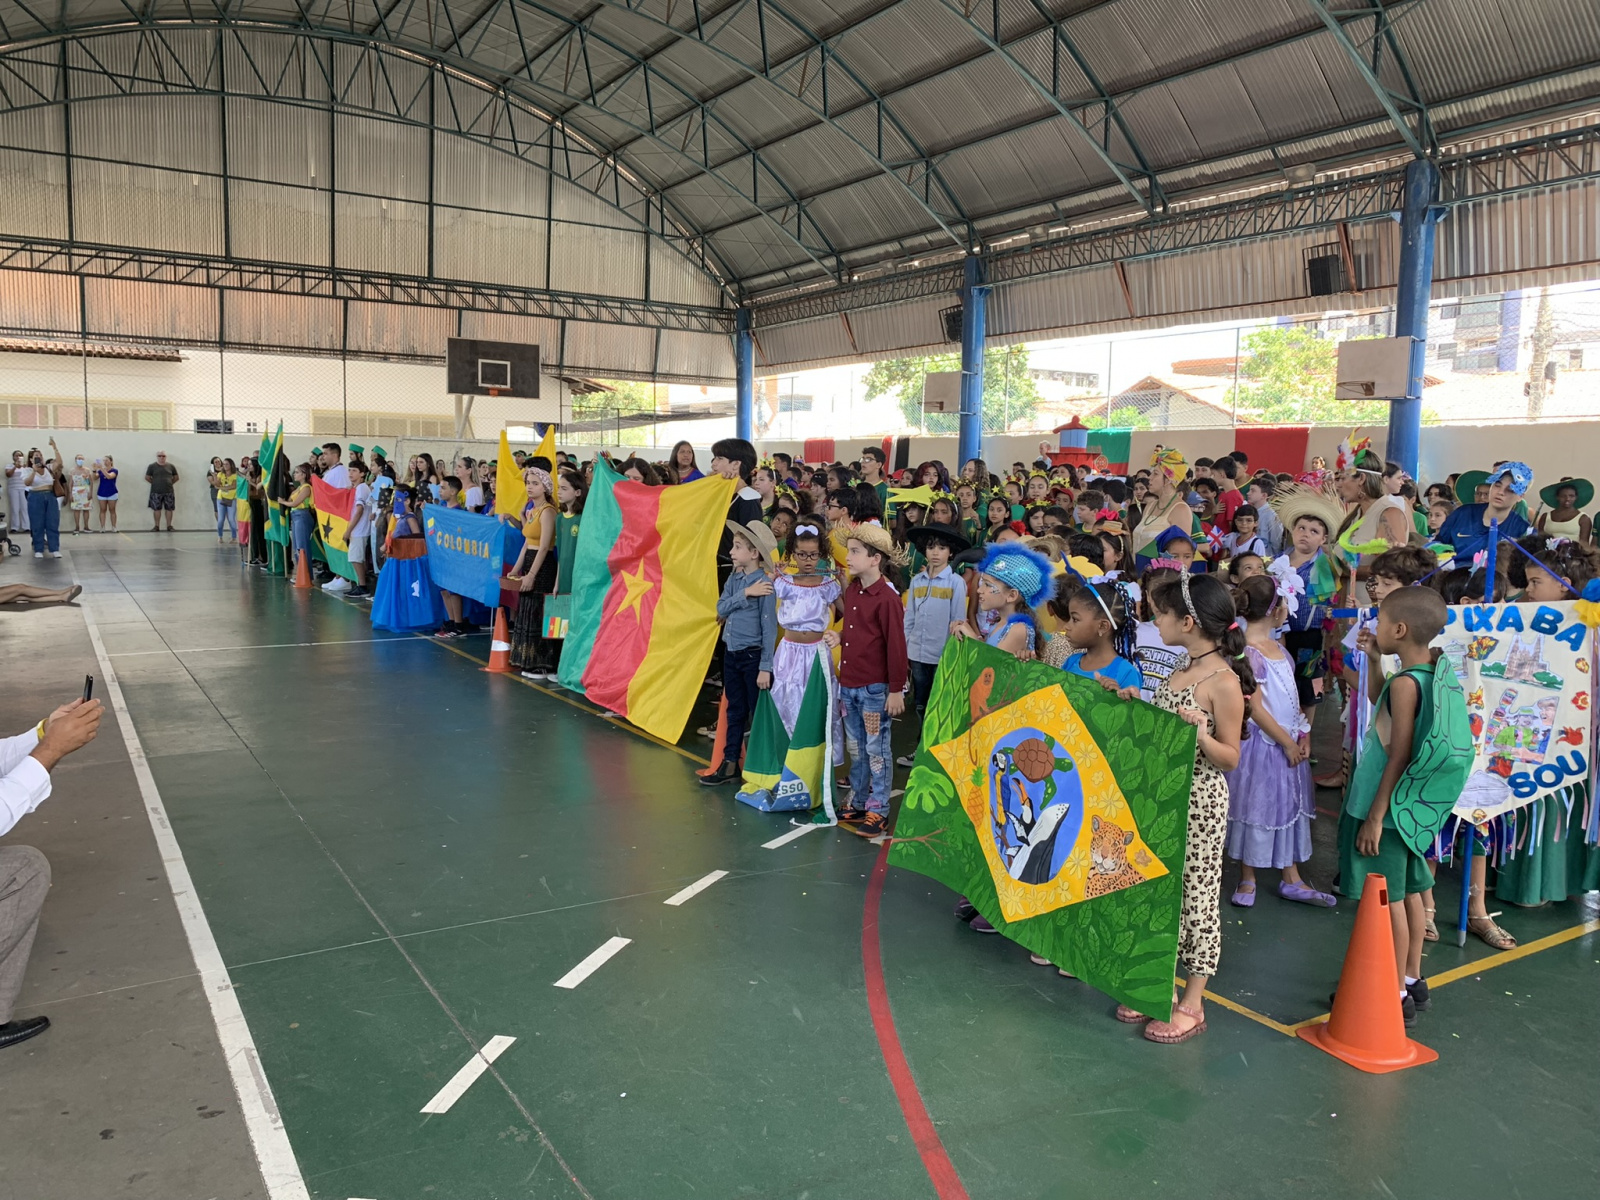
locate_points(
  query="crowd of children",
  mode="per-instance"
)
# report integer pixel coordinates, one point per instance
(1206, 589)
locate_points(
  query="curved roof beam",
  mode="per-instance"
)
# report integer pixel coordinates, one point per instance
(570, 50)
(560, 150)
(807, 72)
(1396, 105)
(690, 126)
(1151, 198)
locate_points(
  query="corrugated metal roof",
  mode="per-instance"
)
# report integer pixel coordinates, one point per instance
(1216, 94)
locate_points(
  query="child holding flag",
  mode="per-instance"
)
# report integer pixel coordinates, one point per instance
(749, 616)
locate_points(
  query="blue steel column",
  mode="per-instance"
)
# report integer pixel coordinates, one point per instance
(973, 299)
(744, 377)
(1417, 220)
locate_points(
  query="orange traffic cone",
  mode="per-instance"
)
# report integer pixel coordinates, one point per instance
(1367, 1029)
(302, 572)
(719, 743)
(500, 646)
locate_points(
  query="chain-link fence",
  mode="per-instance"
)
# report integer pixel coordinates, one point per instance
(1518, 357)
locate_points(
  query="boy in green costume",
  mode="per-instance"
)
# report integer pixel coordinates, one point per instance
(1413, 765)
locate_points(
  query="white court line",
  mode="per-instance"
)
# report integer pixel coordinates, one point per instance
(785, 839)
(274, 646)
(468, 1075)
(695, 888)
(593, 963)
(279, 1170)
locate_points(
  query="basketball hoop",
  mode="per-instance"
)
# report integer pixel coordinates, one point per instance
(494, 391)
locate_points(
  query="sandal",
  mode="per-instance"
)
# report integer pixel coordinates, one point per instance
(1304, 893)
(1430, 931)
(1491, 934)
(1168, 1034)
(1129, 1016)
(1242, 898)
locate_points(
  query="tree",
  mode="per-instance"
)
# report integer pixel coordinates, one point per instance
(1127, 417)
(1009, 392)
(1288, 377)
(628, 397)
(1544, 337)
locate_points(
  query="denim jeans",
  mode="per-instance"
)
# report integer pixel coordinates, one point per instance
(922, 683)
(866, 726)
(44, 519)
(301, 523)
(225, 518)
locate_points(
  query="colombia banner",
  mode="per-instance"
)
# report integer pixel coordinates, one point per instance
(469, 552)
(659, 621)
(1060, 811)
(333, 507)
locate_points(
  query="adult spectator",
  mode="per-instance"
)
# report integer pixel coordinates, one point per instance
(44, 513)
(25, 765)
(161, 476)
(105, 494)
(334, 472)
(17, 492)
(682, 464)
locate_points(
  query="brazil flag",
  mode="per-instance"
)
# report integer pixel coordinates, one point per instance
(1060, 811)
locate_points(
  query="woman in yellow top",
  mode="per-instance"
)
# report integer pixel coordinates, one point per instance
(302, 517)
(531, 652)
(227, 485)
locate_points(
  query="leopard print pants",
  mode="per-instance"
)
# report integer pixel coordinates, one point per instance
(1200, 927)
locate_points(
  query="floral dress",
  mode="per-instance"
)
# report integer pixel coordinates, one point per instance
(1200, 925)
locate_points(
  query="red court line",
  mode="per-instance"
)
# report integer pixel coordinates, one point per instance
(926, 1138)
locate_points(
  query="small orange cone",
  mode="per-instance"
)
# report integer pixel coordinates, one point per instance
(1367, 1029)
(302, 572)
(719, 743)
(500, 646)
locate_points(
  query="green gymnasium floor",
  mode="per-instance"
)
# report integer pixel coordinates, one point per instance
(399, 856)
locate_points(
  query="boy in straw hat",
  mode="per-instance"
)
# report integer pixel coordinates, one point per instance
(749, 615)
(872, 674)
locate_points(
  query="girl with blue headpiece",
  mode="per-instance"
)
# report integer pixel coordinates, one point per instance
(1012, 582)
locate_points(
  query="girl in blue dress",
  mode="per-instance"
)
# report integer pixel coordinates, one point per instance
(405, 600)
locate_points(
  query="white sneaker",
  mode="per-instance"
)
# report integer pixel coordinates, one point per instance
(906, 760)
(38, 554)
(337, 584)
(55, 554)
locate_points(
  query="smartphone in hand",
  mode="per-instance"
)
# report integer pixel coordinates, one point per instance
(88, 688)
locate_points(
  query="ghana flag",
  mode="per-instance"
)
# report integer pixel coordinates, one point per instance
(333, 507)
(590, 575)
(1060, 811)
(784, 772)
(659, 621)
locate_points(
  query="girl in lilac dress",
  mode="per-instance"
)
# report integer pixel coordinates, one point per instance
(1270, 801)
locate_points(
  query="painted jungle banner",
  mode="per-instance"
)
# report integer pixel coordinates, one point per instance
(1060, 811)
(1527, 671)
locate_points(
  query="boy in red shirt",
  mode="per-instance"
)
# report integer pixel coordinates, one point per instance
(872, 675)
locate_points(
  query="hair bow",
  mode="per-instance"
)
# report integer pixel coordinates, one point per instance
(1552, 543)
(1167, 564)
(811, 529)
(1106, 514)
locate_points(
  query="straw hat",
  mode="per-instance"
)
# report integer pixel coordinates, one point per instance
(877, 537)
(757, 534)
(1295, 500)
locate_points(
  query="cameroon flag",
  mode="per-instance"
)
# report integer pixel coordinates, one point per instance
(659, 621)
(787, 772)
(591, 573)
(1060, 811)
(333, 507)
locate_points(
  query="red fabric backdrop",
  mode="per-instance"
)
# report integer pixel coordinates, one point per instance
(1275, 447)
(818, 450)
